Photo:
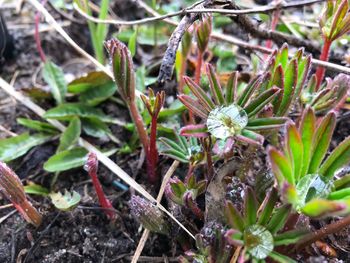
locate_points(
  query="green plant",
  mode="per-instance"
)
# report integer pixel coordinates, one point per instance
(98, 31)
(11, 187)
(334, 23)
(306, 178)
(230, 114)
(328, 97)
(259, 230)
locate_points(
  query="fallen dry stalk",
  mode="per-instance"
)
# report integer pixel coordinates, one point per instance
(100, 156)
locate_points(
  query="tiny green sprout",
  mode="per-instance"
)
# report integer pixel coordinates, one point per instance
(304, 176)
(260, 229)
(329, 97)
(149, 215)
(185, 194)
(66, 201)
(229, 114)
(185, 150)
(11, 187)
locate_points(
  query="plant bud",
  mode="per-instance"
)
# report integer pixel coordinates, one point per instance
(149, 215)
(203, 34)
(123, 68)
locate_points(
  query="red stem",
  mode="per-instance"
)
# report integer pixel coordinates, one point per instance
(104, 202)
(197, 75)
(135, 115)
(320, 72)
(29, 213)
(274, 23)
(152, 151)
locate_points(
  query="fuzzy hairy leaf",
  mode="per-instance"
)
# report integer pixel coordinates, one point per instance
(294, 152)
(307, 130)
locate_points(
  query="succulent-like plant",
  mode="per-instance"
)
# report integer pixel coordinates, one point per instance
(289, 75)
(185, 150)
(334, 23)
(211, 246)
(230, 114)
(185, 194)
(329, 97)
(11, 187)
(305, 177)
(258, 229)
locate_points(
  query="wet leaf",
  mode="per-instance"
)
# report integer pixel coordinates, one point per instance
(66, 160)
(54, 77)
(14, 147)
(65, 202)
(258, 241)
(226, 121)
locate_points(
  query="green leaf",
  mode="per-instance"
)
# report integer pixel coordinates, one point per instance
(307, 130)
(91, 80)
(295, 150)
(198, 131)
(38, 125)
(340, 194)
(290, 82)
(250, 207)
(36, 189)
(322, 207)
(67, 111)
(66, 160)
(97, 94)
(132, 42)
(193, 106)
(258, 104)
(267, 207)
(281, 167)
(289, 237)
(95, 128)
(215, 86)
(280, 258)
(14, 147)
(321, 141)
(231, 88)
(279, 219)
(249, 90)
(339, 157)
(70, 135)
(200, 94)
(258, 241)
(266, 123)
(65, 202)
(54, 77)
(233, 217)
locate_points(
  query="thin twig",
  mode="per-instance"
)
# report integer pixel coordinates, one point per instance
(323, 232)
(100, 156)
(186, 11)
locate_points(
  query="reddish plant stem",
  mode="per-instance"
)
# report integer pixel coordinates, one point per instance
(197, 75)
(189, 173)
(323, 232)
(37, 35)
(27, 210)
(152, 151)
(274, 22)
(135, 115)
(320, 72)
